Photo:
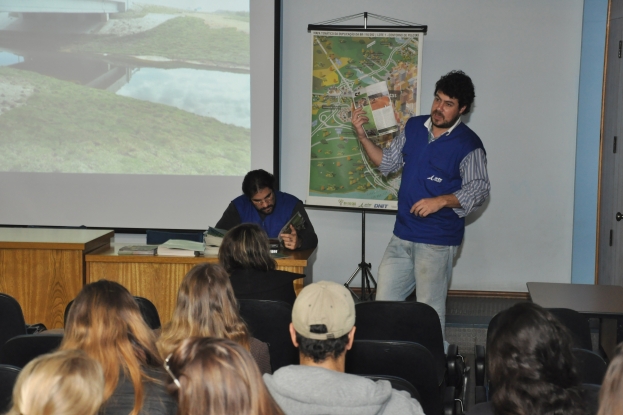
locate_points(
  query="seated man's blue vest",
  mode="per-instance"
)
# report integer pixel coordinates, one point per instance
(430, 170)
(272, 223)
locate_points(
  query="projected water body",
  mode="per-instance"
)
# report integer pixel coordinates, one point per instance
(221, 95)
(67, 109)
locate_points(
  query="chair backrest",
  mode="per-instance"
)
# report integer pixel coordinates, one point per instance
(8, 376)
(157, 237)
(577, 324)
(591, 367)
(148, 311)
(269, 321)
(11, 318)
(403, 321)
(410, 361)
(398, 384)
(20, 350)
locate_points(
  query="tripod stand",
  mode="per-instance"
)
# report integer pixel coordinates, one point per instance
(364, 268)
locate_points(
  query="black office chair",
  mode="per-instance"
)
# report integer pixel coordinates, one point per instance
(398, 384)
(414, 322)
(20, 350)
(269, 321)
(578, 326)
(11, 318)
(157, 237)
(148, 311)
(410, 361)
(591, 367)
(8, 376)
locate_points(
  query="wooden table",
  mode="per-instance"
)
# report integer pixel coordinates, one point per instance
(602, 301)
(43, 269)
(158, 278)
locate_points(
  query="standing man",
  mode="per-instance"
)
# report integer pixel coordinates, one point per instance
(444, 178)
(269, 208)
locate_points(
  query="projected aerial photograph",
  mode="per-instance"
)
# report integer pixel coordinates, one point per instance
(111, 86)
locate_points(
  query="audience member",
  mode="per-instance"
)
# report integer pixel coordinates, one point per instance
(323, 328)
(531, 366)
(211, 376)
(106, 323)
(245, 254)
(61, 383)
(611, 394)
(206, 307)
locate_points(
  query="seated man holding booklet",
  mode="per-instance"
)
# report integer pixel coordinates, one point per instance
(272, 210)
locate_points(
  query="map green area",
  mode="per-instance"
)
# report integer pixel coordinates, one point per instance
(340, 172)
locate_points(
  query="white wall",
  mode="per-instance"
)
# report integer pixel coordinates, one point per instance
(524, 59)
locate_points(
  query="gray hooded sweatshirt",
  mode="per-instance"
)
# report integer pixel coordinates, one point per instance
(308, 390)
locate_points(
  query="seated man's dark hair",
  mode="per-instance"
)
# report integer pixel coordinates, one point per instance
(320, 350)
(257, 180)
(459, 86)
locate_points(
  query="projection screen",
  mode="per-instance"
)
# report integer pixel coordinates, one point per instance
(123, 114)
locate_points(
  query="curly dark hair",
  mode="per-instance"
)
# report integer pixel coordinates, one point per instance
(532, 366)
(256, 180)
(459, 86)
(320, 350)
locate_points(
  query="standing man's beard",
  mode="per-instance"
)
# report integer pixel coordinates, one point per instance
(443, 125)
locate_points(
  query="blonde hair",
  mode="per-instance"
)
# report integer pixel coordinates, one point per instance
(218, 377)
(611, 392)
(105, 322)
(246, 246)
(62, 383)
(206, 307)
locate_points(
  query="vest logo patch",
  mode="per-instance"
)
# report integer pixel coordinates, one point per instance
(435, 179)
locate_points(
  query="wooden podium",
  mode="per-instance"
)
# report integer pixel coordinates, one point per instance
(43, 269)
(158, 278)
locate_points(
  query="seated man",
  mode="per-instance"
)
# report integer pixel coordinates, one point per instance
(269, 208)
(323, 328)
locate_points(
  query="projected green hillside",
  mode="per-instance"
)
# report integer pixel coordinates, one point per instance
(57, 126)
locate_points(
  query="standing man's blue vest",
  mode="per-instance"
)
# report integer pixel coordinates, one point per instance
(272, 223)
(430, 170)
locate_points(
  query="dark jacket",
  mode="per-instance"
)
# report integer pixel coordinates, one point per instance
(156, 400)
(251, 284)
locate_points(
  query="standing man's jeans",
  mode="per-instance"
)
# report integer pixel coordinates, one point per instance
(427, 268)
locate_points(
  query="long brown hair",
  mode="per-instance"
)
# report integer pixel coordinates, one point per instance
(246, 246)
(105, 322)
(611, 392)
(206, 307)
(218, 376)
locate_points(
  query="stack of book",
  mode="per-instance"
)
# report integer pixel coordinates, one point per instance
(213, 238)
(178, 247)
(138, 250)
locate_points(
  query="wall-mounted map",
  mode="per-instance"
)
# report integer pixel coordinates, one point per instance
(340, 174)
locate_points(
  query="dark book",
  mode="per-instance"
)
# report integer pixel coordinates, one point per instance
(138, 250)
